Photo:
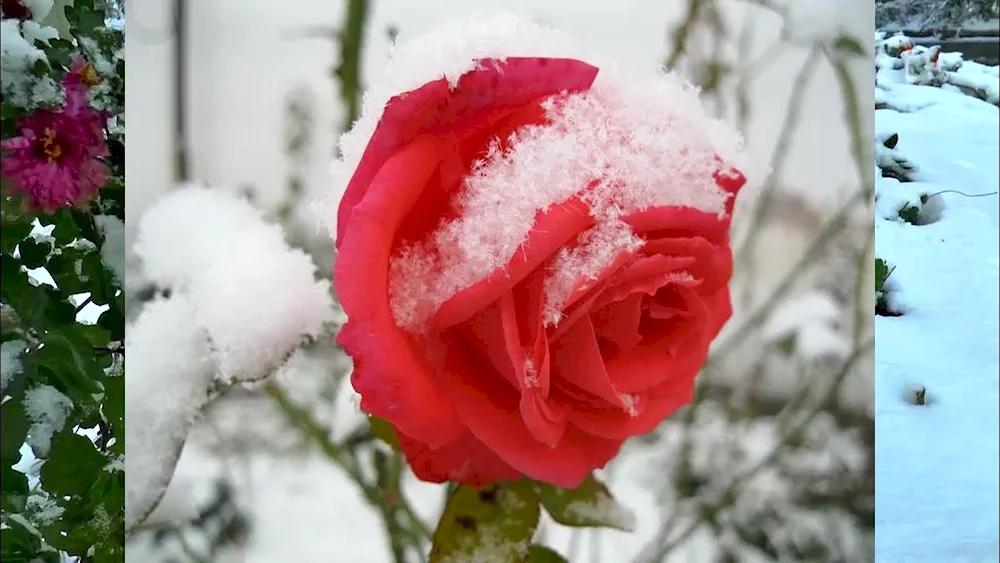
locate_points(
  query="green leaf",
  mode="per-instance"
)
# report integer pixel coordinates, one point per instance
(589, 505)
(17, 542)
(34, 254)
(71, 359)
(12, 231)
(495, 523)
(65, 231)
(114, 406)
(14, 487)
(542, 554)
(13, 429)
(383, 430)
(891, 141)
(113, 319)
(72, 465)
(58, 310)
(83, 19)
(62, 268)
(18, 293)
(100, 281)
(881, 274)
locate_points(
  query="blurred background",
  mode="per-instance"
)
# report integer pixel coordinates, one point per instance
(774, 461)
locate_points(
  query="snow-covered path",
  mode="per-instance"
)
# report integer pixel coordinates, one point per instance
(937, 465)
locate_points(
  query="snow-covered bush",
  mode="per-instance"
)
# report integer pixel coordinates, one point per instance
(63, 253)
(899, 61)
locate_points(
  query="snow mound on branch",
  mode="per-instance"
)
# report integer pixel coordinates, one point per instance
(170, 371)
(255, 297)
(241, 302)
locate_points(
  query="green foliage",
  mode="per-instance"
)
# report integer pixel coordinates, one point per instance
(67, 400)
(478, 518)
(495, 523)
(909, 213)
(590, 505)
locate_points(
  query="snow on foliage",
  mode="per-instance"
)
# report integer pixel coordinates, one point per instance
(900, 61)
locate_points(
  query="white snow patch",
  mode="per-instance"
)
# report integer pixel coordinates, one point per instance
(10, 361)
(947, 340)
(113, 250)
(46, 408)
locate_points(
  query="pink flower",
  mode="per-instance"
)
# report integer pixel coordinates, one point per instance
(77, 84)
(55, 161)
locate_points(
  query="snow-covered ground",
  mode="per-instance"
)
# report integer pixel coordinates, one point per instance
(937, 464)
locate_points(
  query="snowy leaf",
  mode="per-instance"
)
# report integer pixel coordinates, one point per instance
(589, 505)
(490, 525)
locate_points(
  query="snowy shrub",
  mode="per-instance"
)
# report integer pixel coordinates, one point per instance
(63, 321)
(899, 60)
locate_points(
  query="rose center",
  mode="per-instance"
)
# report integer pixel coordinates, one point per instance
(52, 150)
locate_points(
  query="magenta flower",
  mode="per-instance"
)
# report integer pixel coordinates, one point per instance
(55, 162)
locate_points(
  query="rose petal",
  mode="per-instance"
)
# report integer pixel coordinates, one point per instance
(390, 372)
(619, 322)
(577, 360)
(645, 275)
(711, 263)
(613, 424)
(493, 350)
(491, 411)
(463, 460)
(674, 222)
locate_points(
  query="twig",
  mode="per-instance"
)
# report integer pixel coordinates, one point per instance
(961, 193)
(729, 492)
(403, 527)
(782, 151)
(759, 315)
(349, 71)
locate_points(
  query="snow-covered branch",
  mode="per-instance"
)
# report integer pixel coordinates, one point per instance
(241, 301)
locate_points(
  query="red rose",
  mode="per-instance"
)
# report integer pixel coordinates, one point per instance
(508, 325)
